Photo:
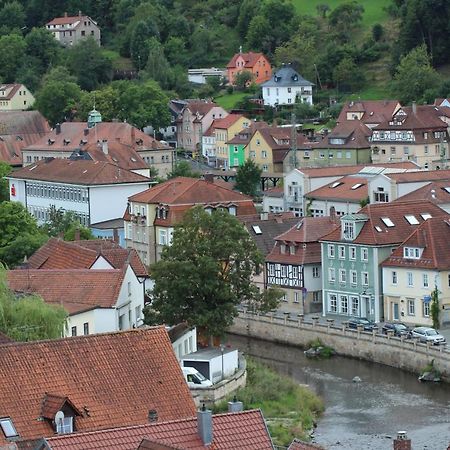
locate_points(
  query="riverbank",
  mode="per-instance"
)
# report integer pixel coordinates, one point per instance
(290, 410)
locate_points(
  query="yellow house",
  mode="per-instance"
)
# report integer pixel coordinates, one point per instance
(15, 97)
(268, 147)
(224, 130)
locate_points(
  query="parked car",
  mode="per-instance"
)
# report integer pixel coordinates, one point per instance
(426, 334)
(368, 325)
(195, 379)
(399, 329)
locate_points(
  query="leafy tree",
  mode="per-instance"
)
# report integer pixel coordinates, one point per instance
(86, 61)
(13, 52)
(65, 223)
(344, 18)
(347, 75)
(322, 9)
(175, 50)
(183, 169)
(5, 169)
(248, 178)
(206, 273)
(248, 10)
(435, 309)
(43, 46)
(139, 46)
(414, 75)
(106, 101)
(157, 66)
(20, 234)
(29, 318)
(12, 16)
(58, 97)
(377, 32)
(242, 79)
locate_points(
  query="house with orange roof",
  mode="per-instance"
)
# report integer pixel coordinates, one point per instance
(82, 186)
(69, 30)
(245, 430)
(352, 254)
(414, 269)
(256, 63)
(389, 186)
(151, 215)
(345, 196)
(89, 383)
(96, 300)
(294, 264)
(15, 97)
(417, 133)
(370, 112)
(194, 119)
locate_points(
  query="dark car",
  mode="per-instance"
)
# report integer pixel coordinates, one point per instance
(399, 329)
(368, 325)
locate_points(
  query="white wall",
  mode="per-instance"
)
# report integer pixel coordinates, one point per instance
(101, 263)
(109, 202)
(185, 344)
(281, 95)
(273, 204)
(341, 208)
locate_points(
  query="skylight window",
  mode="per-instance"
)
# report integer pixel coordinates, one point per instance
(256, 229)
(8, 427)
(356, 186)
(412, 220)
(447, 189)
(426, 216)
(378, 229)
(335, 184)
(388, 222)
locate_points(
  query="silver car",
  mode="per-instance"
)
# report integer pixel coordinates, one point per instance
(426, 334)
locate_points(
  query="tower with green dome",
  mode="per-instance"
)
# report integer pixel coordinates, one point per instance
(94, 118)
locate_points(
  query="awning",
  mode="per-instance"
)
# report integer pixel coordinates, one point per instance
(427, 299)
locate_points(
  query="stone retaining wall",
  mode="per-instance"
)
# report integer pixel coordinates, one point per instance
(406, 354)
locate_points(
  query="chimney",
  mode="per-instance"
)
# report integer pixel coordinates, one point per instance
(235, 406)
(333, 214)
(105, 146)
(401, 442)
(205, 425)
(133, 135)
(86, 131)
(65, 14)
(264, 216)
(414, 107)
(208, 177)
(58, 128)
(77, 234)
(79, 13)
(115, 235)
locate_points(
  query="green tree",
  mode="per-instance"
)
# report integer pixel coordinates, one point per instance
(139, 46)
(65, 223)
(42, 45)
(183, 169)
(248, 178)
(322, 9)
(243, 79)
(106, 101)
(86, 61)
(414, 76)
(435, 309)
(157, 66)
(29, 318)
(345, 18)
(12, 16)
(20, 234)
(206, 273)
(175, 50)
(348, 76)
(57, 98)
(12, 54)
(247, 10)
(377, 32)
(5, 169)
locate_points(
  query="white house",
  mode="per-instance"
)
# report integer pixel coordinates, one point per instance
(15, 97)
(95, 191)
(97, 300)
(286, 87)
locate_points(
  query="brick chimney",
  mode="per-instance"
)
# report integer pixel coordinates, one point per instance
(77, 234)
(205, 425)
(208, 177)
(401, 442)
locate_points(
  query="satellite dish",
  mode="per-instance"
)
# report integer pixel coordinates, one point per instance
(59, 417)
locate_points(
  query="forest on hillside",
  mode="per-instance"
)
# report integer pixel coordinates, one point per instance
(154, 42)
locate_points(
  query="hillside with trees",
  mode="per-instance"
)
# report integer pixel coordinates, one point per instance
(344, 47)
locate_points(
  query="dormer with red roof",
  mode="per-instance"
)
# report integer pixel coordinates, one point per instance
(256, 63)
(69, 30)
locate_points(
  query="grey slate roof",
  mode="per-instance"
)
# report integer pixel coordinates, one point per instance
(286, 76)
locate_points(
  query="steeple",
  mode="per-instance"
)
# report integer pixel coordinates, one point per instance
(94, 118)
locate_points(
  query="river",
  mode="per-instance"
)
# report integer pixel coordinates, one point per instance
(364, 415)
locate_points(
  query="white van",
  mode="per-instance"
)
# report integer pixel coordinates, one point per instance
(194, 378)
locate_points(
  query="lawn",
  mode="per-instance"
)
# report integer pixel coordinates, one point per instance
(229, 101)
(373, 9)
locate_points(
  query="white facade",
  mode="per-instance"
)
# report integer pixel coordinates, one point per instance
(287, 95)
(185, 344)
(273, 204)
(321, 207)
(208, 146)
(92, 204)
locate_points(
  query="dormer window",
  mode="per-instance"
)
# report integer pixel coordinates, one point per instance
(232, 210)
(60, 411)
(8, 428)
(348, 231)
(412, 252)
(283, 249)
(292, 249)
(64, 425)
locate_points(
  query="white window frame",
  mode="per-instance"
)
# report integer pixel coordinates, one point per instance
(425, 280)
(394, 277)
(332, 303)
(331, 275)
(353, 277)
(411, 304)
(341, 251)
(342, 276)
(365, 278)
(316, 272)
(364, 254)
(409, 279)
(331, 253)
(352, 253)
(343, 304)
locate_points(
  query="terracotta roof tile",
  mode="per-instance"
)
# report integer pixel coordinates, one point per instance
(437, 192)
(226, 122)
(77, 290)
(396, 212)
(374, 111)
(420, 175)
(296, 444)
(114, 379)
(352, 189)
(433, 236)
(68, 20)
(200, 107)
(232, 431)
(354, 133)
(78, 172)
(250, 58)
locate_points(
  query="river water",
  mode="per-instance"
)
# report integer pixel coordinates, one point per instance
(364, 415)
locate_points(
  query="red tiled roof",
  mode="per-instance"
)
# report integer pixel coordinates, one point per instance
(232, 431)
(78, 172)
(420, 175)
(244, 136)
(200, 107)
(68, 20)
(355, 134)
(433, 236)
(10, 90)
(113, 379)
(59, 254)
(296, 444)
(226, 122)
(250, 59)
(343, 191)
(76, 290)
(437, 192)
(375, 111)
(396, 212)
